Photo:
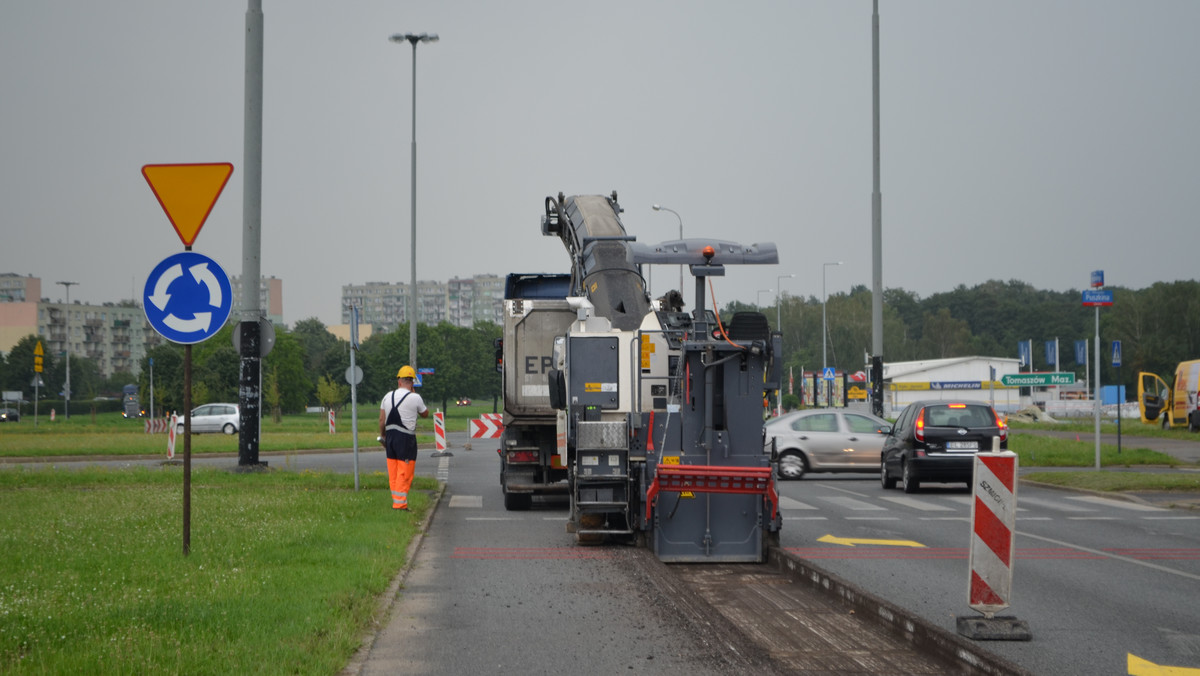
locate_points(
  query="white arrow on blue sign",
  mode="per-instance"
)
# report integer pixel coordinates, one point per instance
(187, 298)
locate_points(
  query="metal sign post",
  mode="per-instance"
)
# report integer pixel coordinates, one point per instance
(187, 297)
(1116, 362)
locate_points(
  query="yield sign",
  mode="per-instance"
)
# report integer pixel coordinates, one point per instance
(187, 192)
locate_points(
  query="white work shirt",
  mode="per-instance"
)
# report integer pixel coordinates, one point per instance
(412, 406)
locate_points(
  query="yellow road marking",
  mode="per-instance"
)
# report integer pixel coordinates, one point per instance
(1140, 667)
(850, 542)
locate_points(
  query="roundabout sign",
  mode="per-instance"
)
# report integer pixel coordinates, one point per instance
(187, 298)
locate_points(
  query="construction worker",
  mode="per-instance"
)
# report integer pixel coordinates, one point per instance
(398, 433)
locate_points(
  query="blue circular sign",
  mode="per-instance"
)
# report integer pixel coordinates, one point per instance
(187, 298)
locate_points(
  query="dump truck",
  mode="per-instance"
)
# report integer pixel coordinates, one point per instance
(658, 413)
(1173, 406)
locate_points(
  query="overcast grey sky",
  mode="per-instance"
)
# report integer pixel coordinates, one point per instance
(1031, 140)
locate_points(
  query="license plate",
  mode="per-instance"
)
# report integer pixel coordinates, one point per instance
(962, 445)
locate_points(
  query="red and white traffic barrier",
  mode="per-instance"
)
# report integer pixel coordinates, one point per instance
(488, 426)
(171, 436)
(157, 425)
(993, 531)
(332, 423)
(439, 431)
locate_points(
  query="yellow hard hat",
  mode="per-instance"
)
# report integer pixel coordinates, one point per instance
(406, 372)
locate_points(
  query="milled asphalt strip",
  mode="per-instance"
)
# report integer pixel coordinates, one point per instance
(1110, 555)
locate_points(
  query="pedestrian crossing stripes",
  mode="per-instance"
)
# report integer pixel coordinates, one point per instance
(862, 506)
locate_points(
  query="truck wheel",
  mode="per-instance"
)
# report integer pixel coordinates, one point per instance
(1194, 423)
(517, 502)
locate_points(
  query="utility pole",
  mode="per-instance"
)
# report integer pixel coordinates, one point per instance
(250, 373)
(67, 350)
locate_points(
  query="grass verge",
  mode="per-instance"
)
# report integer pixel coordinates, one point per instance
(1042, 451)
(110, 434)
(283, 576)
(1109, 480)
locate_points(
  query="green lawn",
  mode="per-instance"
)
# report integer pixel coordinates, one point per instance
(283, 577)
(1042, 451)
(110, 434)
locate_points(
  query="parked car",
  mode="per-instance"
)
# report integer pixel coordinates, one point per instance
(937, 441)
(9, 415)
(825, 440)
(213, 418)
(462, 401)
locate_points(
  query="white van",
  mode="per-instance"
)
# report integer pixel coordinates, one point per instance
(1178, 405)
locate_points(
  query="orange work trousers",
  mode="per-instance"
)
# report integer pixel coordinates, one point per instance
(400, 478)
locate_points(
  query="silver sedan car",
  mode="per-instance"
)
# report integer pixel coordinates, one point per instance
(213, 418)
(826, 440)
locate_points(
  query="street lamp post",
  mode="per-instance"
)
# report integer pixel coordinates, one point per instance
(662, 208)
(778, 312)
(760, 293)
(413, 38)
(67, 350)
(824, 326)
(779, 328)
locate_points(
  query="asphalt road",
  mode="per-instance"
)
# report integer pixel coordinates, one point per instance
(1096, 578)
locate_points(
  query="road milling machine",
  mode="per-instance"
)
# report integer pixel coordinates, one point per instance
(648, 417)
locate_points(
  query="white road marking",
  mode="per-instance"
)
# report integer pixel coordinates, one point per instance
(474, 501)
(789, 503)
(1119, 504)
(920, 504)
(855, 505)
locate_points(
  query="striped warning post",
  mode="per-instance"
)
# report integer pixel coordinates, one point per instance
(332, 424)
(439, 431)
(171, 436)
(993, 532)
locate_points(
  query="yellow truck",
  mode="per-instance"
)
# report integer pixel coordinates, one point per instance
(1177, 405)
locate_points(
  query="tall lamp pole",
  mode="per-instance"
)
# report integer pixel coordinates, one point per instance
(824, 324)
(657, 207)
(67, 350)
(779, 328)
(778, 312)
(413, 38)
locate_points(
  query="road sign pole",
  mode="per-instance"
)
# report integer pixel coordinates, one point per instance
(187, 449)
(1097, 389)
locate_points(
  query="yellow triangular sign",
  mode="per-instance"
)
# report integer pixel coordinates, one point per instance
(187, 193)
(37, 349)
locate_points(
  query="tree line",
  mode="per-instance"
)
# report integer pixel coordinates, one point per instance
(1158, 326)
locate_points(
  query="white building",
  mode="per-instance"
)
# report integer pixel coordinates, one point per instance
(969, 378)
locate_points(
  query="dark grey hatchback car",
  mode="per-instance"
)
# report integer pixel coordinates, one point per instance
(937, 441)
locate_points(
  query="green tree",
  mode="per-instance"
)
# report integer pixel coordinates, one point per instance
(168, 378)
(331, 394)
(943, 336)
(287, 360)
(18, 374)
(324, 353)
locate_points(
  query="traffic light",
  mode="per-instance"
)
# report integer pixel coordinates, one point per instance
(499, 344)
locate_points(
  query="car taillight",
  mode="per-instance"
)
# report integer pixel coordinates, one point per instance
(1002, 426)
(920, 429)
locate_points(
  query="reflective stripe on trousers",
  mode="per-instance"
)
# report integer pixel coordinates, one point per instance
(400, 478)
